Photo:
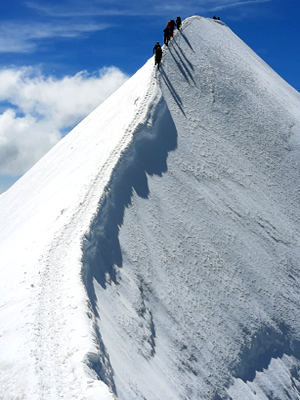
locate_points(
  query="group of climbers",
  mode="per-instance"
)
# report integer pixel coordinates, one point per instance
(169, 30)
(168, 34)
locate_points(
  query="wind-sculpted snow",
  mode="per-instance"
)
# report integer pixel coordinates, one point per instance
(50, 344)
(196, 267)
(154, 252)
(146, 156)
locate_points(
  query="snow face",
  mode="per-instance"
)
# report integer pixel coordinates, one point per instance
(46, 325)
(197, 297)
(154, 252)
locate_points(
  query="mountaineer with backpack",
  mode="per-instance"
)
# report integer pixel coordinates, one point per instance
(167, 36)
(173, 24)
(158, 54)
(156, 47)
(169, 27)
(178, 22)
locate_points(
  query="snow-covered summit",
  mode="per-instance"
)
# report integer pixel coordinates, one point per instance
(154, 252)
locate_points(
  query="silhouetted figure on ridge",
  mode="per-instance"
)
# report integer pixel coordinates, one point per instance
(167, 36)
(169, 27)
(156, 47)
(158, 54)
(173, 24)
(178, 22)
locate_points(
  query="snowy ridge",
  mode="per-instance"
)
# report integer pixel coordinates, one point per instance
(201, 303)
(46, 214)
(101, 252)
(154, 252)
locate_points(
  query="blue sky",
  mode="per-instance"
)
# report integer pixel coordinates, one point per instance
(60, 59)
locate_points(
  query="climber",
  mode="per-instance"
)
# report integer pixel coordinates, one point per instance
(166, 36)
(158, 56)
(156, 47)
(173, 24)
(169, 27)
(178, 22)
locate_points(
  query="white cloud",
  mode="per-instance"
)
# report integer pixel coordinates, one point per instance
(20, 37)
(42, 108)
(239, 3)
(93, 8)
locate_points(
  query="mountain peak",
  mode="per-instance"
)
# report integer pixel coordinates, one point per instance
(153, 253)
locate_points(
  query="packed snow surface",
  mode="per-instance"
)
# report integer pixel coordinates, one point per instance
(154, 252)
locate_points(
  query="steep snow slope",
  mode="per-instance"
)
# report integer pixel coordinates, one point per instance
(197, 282)
(46, 328)
(154, 252)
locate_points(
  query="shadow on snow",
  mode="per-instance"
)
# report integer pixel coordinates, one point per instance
(173, 92)
(147, 154)
(181, 64)
(265, 345)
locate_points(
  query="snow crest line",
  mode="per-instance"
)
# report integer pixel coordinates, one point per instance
(102, 255)
(55, 349)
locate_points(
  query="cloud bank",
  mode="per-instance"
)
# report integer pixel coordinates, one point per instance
(36, 111)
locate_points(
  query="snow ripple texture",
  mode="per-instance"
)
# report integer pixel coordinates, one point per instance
(194, 254)
(154, 252)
